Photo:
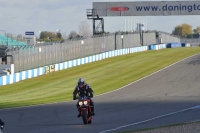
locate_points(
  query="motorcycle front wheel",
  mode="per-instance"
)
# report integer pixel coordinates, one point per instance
(84, 116)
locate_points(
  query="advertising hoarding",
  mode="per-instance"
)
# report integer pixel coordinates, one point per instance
(150, 8)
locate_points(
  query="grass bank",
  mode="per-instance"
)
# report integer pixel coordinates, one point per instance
(106, 75)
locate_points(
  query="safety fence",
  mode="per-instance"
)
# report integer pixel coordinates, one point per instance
(37, 56)
(30, 57)
(16, 77)
(167, 38)
(193, 41)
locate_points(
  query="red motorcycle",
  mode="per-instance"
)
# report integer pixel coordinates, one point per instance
(85, 109)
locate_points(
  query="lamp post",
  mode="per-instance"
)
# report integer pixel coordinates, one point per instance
(122, 37)
(141, 29)
(39, 36)
(58, 34)
(81, 51)
(199, 39)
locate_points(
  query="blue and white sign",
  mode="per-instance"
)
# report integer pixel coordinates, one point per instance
(29, 33)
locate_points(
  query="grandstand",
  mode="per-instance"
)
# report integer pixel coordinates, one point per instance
(6, 41)
(6, 44)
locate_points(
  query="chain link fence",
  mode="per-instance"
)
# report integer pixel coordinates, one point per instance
(167, 38)
(30, 57)
(193, 41)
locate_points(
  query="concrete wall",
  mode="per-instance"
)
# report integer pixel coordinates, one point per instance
(6, 69)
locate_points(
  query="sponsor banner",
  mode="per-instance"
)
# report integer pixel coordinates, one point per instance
(150, 8)
(29, 33)
(49, 69)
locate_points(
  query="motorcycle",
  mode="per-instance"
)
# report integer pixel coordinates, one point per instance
(1, 128)
(85, 109)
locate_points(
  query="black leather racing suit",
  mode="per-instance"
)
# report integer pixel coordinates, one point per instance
(86, 90)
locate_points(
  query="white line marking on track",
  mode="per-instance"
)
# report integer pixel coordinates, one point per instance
(194, 121)
(137, 123)
(148, 75)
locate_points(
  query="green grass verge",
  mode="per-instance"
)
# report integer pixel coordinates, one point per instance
(106, 75)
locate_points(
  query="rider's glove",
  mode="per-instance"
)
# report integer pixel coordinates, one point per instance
(1, 127)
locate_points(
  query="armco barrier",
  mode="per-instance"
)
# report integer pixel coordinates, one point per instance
(173, 45)
(156, 47)
(161, 46)
(185, 45)
(16, 77)
(188, 45)
(152, 47)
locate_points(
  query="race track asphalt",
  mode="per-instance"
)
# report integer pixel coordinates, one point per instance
(163, 98)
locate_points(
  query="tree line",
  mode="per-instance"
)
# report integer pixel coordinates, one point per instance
(84, 30)
(50, 36)
(186, 31)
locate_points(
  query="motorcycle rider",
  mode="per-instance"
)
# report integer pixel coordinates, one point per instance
(1, 124)
(83, 88)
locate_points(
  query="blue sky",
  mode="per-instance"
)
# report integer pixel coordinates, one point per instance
(19, 16)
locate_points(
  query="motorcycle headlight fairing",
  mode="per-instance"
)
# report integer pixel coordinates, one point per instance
(85, 102)
(80, 103)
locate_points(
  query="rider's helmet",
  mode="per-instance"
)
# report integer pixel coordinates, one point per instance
(81, 82)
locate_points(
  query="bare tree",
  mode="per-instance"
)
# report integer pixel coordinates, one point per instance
(64, 35)
(20, 37)
(9, 35)
(73, 34)
(84, 29)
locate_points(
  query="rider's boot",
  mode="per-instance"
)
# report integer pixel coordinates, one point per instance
(92, 109)
(79, 110)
